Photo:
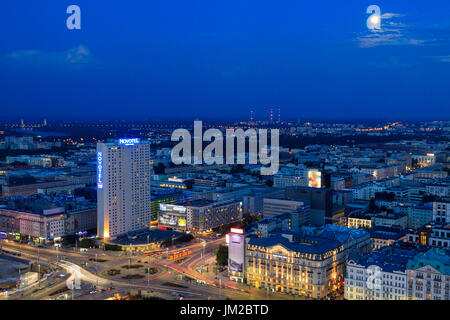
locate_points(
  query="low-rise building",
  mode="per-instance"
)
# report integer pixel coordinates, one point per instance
(441, 211)
(399, 273)
(384, 236)
(41, 218)
(379, 275)
(435, 235)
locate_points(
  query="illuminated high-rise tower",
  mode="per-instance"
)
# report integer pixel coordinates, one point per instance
(251, 115)
(271, 114)
(123, 187)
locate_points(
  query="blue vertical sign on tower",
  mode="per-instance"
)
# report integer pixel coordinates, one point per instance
(100, 170)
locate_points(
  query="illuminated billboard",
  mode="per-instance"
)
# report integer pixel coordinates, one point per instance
(314, 178)
(172, 215)
(172, 220)
(172, 207)
(236, 252)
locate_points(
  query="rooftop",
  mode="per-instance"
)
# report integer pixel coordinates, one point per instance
(46, 204)
(437, 258)
(389, 259)
(308, 244)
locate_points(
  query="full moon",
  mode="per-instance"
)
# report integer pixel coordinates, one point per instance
(375, 19)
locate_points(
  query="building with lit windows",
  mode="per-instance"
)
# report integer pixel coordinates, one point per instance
(308, 267)
(379, 275)
(420, 215)
(169, 196)
(359, 220)
(289, 221)
(199, 215)
(429, 275)
(41, 218)
(441, 211)
(309, 263)
(47, 225)
(385, 236)
(435, 235)
(399, 273)
(274, 206)
(438, 189)
(291, 177)
(424, 160)
(204, 215)
(123, 187)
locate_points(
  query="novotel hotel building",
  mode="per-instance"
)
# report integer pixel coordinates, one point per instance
(123, 187)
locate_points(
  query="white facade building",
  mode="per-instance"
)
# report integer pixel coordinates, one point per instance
(441, 212)
(399, 274)
(123, 187)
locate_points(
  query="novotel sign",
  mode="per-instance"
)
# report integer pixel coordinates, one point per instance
(100, 170)
(129, 141)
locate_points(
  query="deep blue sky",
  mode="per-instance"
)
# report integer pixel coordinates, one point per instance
(215, 58)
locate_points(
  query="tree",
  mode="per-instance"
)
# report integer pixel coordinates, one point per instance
(166, 243)
(189, 184)
(239, 168)
(18, 164)
(372, 204)
(222, 255)
(112, 247)
(87, 193)
(250, 218)
(69, 240)
(88, 243)
(160, 168)
(184, 238)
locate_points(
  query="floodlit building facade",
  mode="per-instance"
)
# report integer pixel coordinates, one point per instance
(310, 263)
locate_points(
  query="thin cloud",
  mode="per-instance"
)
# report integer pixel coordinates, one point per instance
(392, 33)
(442, 58)
(391, 15)
(79, 55)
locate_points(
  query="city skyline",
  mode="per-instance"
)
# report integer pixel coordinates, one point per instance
(190, 153)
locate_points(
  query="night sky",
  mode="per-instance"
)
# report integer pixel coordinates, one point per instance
(219, 59)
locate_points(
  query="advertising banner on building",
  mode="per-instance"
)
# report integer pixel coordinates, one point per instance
(236, 252)
(314, 178)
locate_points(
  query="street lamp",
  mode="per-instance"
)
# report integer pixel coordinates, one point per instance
(129, 267)
(148, 271)
(203, 250)
(39, 270)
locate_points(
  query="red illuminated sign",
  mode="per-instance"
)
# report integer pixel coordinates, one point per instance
(236, 230)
